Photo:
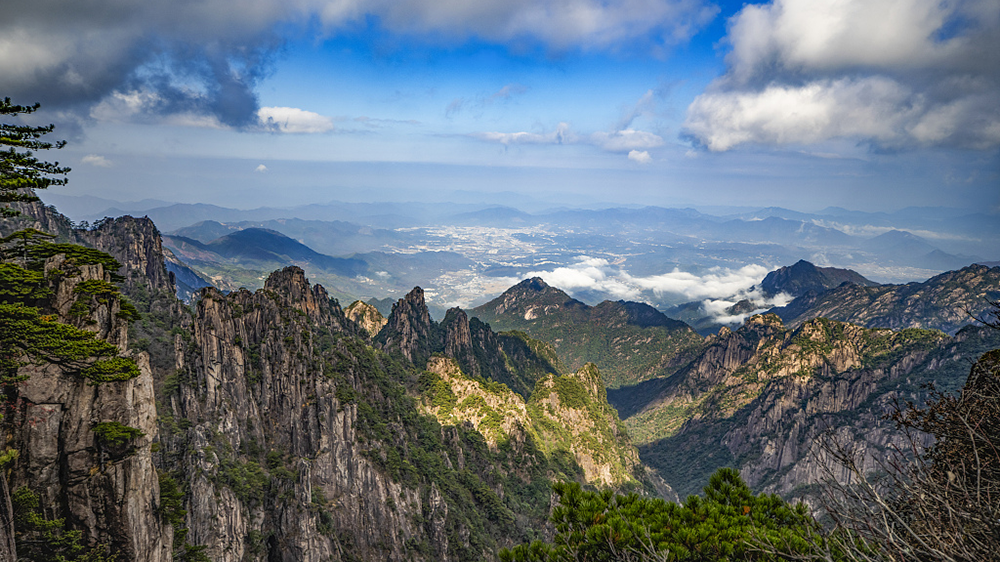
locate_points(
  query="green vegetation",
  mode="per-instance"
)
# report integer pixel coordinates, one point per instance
(627, 342)
(20, 171)
(804, 362)
(33, 337)
(726, 524)
(115, 434)
(39, 539)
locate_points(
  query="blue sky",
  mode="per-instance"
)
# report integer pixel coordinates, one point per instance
(865, 104)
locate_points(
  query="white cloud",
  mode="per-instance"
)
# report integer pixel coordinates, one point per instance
(717, 288)
(894, 73)
(716, 283)
(294, 120)
(560, 135)
(559, 23)
(640, 157)
(590, 274)
(96, 160)
(261, 169)
(625, 140)
(207, 58)
(628, 140)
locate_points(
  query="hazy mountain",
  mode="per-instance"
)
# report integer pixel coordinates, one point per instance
(258, 245)
(494, 216)
(329, 237)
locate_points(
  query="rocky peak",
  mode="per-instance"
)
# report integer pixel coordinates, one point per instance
(366, 316)
(534, 284)
(802, 277)
(136, 244)
(590, 377)
(291, 285)
(458, 340)
(529, 297)
(410, 329)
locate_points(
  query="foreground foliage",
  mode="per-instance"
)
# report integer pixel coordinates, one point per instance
(721, 526)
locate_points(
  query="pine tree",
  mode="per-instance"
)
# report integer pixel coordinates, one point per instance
(20, 171)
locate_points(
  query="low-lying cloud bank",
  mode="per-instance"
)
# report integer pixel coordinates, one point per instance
(717, 288)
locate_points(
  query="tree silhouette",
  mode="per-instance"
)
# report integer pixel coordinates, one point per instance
(20, 171)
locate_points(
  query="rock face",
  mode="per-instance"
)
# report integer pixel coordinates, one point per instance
(136, 244)
(566, 416)
(274, 462)
(762, 397)
(940, 303)
(298, 440)
(111, 493)
(366, 316)
(410, 330)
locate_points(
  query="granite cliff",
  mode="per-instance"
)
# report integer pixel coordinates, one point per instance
(273, 426)
(765, 394)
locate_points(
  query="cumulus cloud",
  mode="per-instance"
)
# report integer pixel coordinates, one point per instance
(293, 120)
(206, 58)
(715, 283)
(96, 160)
(721, 310)
(642, 157)
(558, 23)
(261, 169)
(892, 73)
(593, 275)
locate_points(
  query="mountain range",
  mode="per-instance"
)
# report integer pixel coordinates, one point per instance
(273, 424)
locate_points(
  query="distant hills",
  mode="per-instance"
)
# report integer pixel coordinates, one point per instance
(483, 249)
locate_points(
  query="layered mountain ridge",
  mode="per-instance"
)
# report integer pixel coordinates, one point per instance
(274, 425)
(945, 302)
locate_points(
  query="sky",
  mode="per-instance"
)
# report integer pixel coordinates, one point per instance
(804, 104)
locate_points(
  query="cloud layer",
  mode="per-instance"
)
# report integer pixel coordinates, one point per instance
(892, 73)
(630, 141)
(717, 288)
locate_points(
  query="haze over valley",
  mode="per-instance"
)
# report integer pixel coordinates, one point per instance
(463, 255)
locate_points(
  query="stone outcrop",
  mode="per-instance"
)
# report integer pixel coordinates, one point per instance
(410, 330)
(110, 493)
(566, 416)
(766, 396)
(271, 435)
(366, 316)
